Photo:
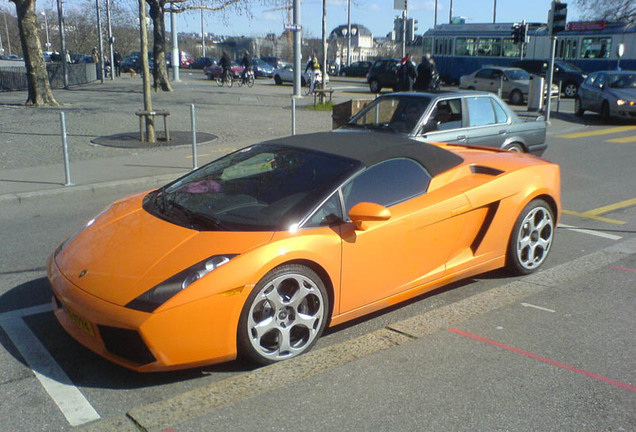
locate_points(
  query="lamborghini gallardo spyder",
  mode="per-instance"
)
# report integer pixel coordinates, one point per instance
(254, 254)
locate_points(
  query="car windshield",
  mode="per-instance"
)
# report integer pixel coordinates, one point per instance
(399, 114)
(261, 188)
(517, 74)
(622, 81)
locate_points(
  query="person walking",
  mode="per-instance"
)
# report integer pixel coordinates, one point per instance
(406, 74)
(424, 74)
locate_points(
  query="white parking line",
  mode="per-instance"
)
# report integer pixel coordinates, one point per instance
(537, 307)
(591, 232)
(57, 384)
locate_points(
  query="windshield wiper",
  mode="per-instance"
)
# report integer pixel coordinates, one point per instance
(200, 220)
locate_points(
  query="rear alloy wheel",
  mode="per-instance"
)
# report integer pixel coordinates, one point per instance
(578, 107)
(531, 238)
(605, 112)
(283, 316)
(375, 86)
(516, 97)
(570, 90)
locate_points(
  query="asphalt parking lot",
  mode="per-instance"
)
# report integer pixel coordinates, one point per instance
(549, 352)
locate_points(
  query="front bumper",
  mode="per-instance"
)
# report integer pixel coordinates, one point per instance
(195, 334)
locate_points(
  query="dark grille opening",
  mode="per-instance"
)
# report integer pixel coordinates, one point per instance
(127, 344)
(479, 169)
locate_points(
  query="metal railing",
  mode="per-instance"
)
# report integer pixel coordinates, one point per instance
(14, 78)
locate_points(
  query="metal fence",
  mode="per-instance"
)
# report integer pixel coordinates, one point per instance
(14, 78)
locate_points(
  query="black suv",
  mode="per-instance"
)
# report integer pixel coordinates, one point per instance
(569, 75)
(383, 74)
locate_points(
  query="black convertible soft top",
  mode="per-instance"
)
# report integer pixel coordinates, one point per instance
(371, 148)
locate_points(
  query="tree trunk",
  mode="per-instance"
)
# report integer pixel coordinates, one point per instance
(40, 93)
(160, 72)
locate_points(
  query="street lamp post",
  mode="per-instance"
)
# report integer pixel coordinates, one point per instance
(46, 26)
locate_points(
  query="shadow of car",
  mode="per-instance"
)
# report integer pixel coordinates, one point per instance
(609, 93)
(457, 117)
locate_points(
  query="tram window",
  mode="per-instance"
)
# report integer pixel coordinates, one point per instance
(561, 48)
(489, 47)
(465, 46)
(510, 49)
(427, 45)
(596, 47)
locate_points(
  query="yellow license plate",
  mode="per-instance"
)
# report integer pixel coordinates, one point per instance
(83, 324)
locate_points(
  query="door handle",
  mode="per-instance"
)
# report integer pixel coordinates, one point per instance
(503, 132)
(462, 138)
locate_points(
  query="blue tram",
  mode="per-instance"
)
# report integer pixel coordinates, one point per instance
(460, 49)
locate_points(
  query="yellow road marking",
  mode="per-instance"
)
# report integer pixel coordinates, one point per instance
(199, 155)
(612, 207)
(598, 132)
(623, 140)
(598, 218)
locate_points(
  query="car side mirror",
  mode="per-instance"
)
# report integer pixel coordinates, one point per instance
(368, 212)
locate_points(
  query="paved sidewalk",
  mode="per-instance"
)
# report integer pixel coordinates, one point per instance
(31, 142)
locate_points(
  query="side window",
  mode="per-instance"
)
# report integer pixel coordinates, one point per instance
(484, 73)
(387, 183)
(599, 81)
(480, 111)
(500, 112)
(447, 114)
(328, 213)
(591, 79)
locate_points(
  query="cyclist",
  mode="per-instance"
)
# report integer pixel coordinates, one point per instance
(247, 65)
(314, 66)
(225, 66)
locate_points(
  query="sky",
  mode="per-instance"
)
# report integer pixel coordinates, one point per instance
(376, 15)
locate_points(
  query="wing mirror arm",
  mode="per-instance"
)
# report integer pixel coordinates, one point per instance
(368, 212)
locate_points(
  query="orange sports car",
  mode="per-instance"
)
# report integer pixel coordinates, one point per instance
(255, 253)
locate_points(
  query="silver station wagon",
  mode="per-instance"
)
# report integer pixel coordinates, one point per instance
(456, 117)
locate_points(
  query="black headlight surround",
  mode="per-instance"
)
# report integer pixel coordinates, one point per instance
(158, 295)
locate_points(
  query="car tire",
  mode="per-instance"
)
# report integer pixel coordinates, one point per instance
(471, 88)
(375, 86)
(570, 90)
(283, 316)
(531, 238)
(277, 80)
(578, 107)
(605, 112)
(515, 147)
(516, 97)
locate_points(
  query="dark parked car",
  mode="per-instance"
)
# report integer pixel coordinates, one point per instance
(569, 75)
(262, 68)
(459, 117)
(202, 62)
(383, 74)
(609, 93)
(356, 69)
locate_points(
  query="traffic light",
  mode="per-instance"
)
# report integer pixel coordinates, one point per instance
(557, 17)
(516, 33)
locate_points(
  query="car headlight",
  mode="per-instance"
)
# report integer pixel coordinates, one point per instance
(155, 297)
(621, 102)
(72, 236)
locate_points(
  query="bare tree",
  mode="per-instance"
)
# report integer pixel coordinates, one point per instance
(39, 89)
(609, 10)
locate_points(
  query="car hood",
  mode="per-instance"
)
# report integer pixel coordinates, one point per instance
(126, 251)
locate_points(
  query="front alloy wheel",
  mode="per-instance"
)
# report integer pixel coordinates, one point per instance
(570, 90)
(531, 238)
(283, 316)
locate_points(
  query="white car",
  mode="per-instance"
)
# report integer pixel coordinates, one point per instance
(285, 73)
(513, 82)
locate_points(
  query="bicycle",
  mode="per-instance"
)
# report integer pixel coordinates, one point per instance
(307, 90)
(225, 79)
(248, 80)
